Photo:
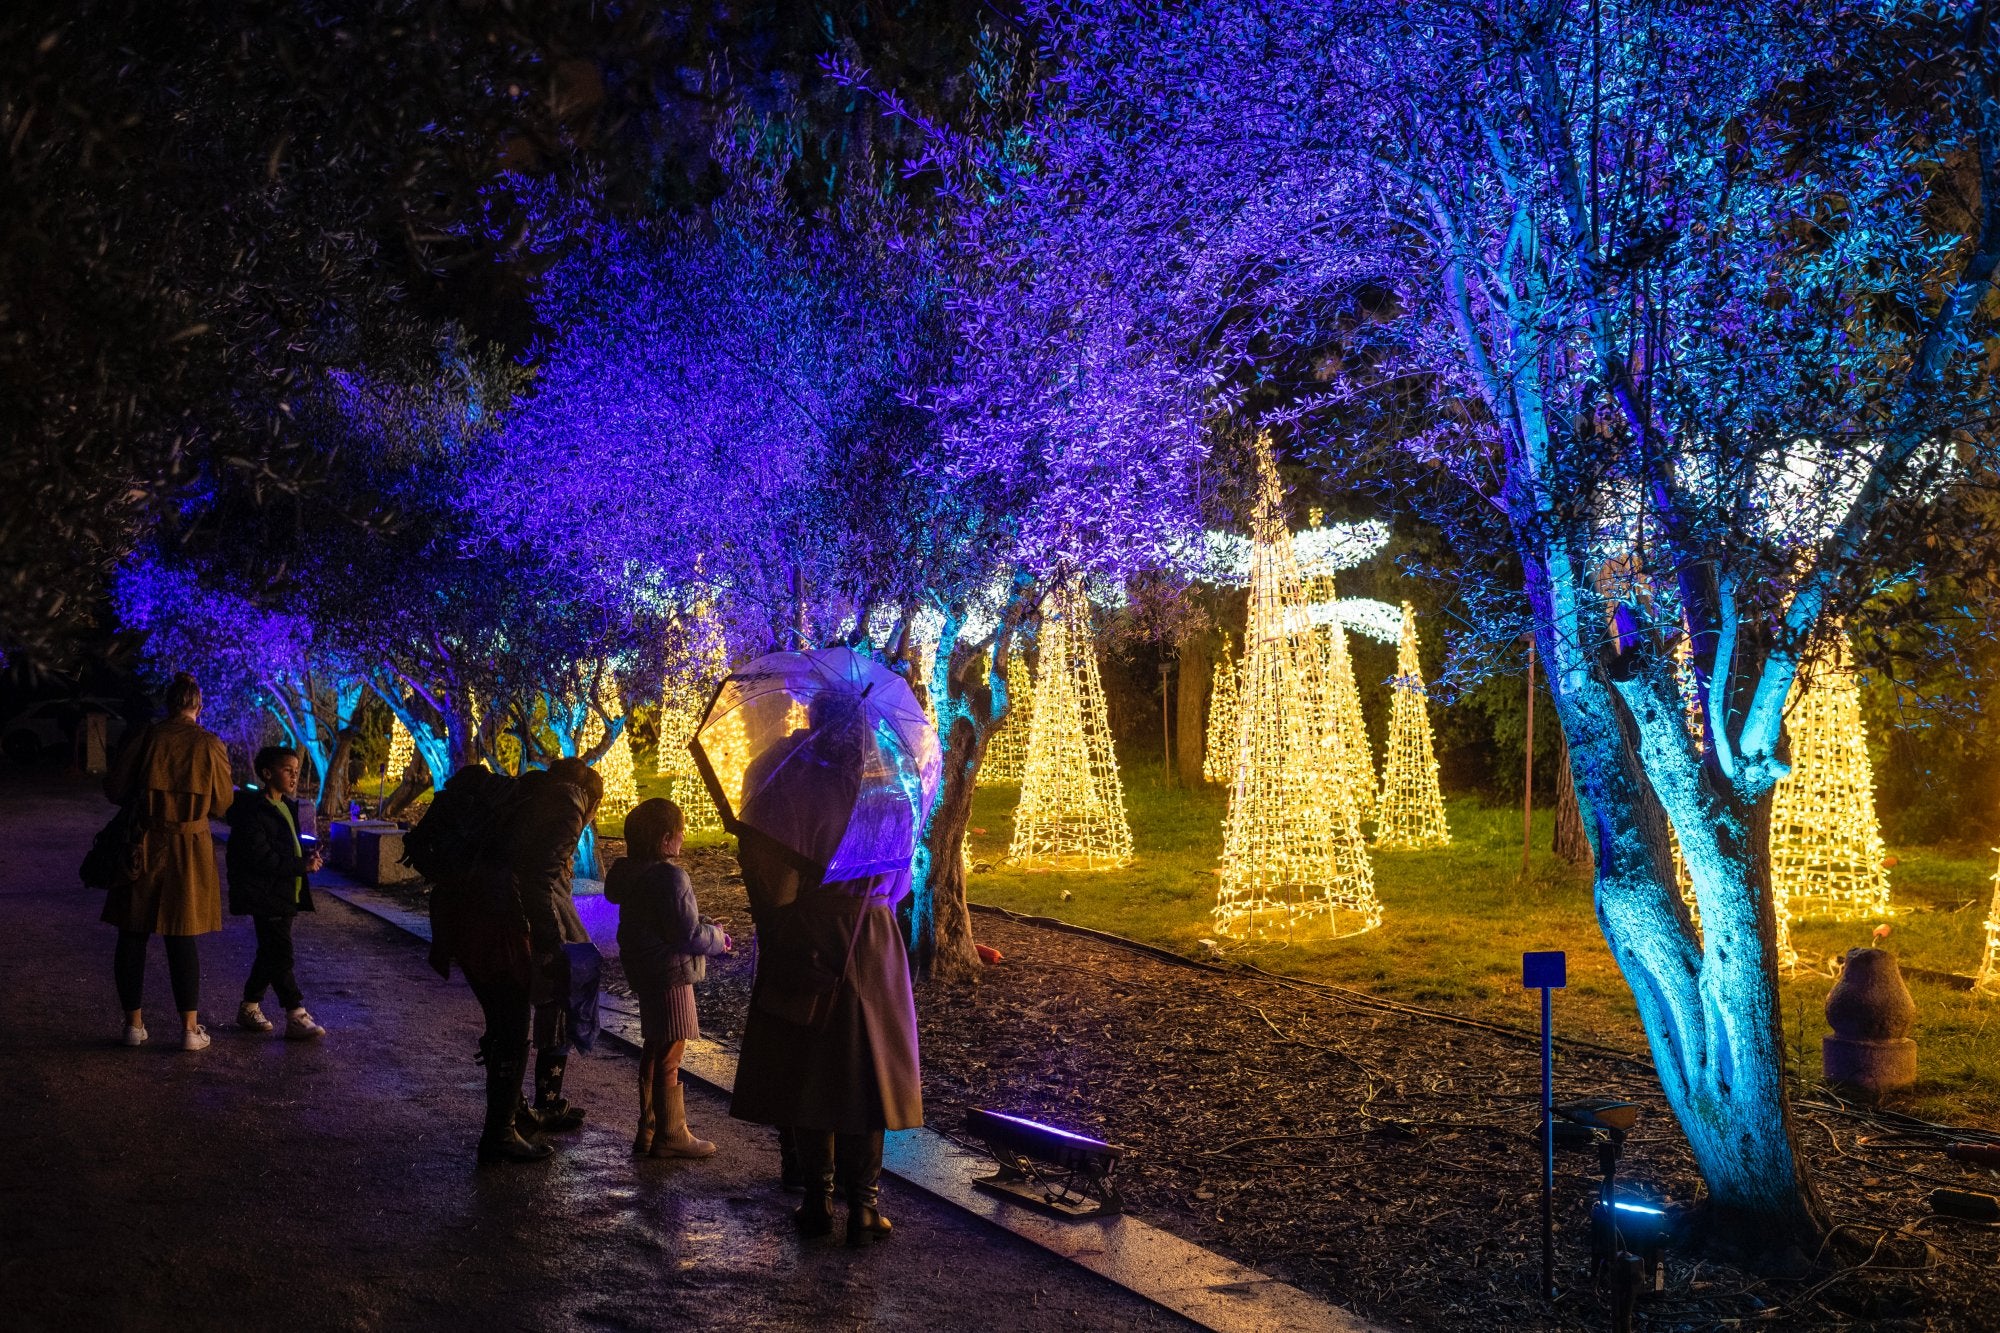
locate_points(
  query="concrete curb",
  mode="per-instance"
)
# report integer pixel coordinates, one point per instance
(1177, 1275)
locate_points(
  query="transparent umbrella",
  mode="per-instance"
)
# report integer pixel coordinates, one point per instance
(826, 752)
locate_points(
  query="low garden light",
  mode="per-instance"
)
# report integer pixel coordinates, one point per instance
(1069, 1174)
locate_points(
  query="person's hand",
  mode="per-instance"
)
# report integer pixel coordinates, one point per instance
(314, 860)
(728, 945)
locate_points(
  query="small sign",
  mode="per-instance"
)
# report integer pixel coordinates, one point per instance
(1544, 971)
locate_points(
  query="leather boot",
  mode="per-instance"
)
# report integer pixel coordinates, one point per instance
(814, 1217)
(790, 1178)
(673, 1139)
(858, 1160)
(642, 1141)
(500, 1141)
(556, 1115)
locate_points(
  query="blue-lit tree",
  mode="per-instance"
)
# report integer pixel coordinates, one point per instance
(1676, 308)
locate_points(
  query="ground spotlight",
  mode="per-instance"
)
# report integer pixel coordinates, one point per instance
(1071, 1175)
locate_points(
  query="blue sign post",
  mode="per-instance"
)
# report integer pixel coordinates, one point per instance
(1547, 972)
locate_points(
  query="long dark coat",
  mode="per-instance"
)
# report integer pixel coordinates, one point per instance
(514, 907)
(178, 776)
(859, 1071)
(266, 863)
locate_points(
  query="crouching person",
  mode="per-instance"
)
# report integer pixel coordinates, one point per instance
(268, 869)
(664, 943)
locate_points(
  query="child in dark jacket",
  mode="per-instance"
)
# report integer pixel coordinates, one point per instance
(664, 943)
(268, 866)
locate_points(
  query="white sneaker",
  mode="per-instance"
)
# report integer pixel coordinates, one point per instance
(299, 1026)
(135, 1035)
(251, 1018)
(195, 1039)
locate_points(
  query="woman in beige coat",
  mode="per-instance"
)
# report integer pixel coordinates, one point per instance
(175, 778)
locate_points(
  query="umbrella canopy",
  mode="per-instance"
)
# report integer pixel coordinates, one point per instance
(828, 753)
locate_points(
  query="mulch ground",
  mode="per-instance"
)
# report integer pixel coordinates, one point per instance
(1383, 1157)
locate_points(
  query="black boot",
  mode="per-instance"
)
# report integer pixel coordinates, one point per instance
(501, 1142)
(789, 1176)
(553, 1115)
(858, 1158)
(814, 1148)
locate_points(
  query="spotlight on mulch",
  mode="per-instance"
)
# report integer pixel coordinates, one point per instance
(1069, 1175)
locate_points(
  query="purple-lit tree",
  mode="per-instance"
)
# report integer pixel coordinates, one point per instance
(1677, 307)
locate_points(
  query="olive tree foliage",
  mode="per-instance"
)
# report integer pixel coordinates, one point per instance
(1682, 309)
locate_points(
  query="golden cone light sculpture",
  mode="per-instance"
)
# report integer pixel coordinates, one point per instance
(1292, 857)
(1218, 758)
(621, 786)
(1826, 846)
(1987, 980)
(402, 750)
(1007, 753)
(693, 668)
(1410, 813)
(1072, 809)
(1343, 695)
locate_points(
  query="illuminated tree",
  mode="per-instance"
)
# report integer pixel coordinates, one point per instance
(1411, 810)
(1007, 753)
(1292, 852)
(1826, 845)
(1218, 761)
(1072, 808)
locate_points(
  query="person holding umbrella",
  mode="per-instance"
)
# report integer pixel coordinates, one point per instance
(826, 819)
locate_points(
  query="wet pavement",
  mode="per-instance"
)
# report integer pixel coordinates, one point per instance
(270, 1184)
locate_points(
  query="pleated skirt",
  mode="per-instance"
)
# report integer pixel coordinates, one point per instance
(667, 1015)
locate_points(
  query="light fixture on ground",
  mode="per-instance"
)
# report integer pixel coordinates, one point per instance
(1410, 813)
(1292, 856)
(1071, 813)
(1072, 1175)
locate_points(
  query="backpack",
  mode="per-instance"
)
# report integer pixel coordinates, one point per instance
(117, 855)
(464, 826)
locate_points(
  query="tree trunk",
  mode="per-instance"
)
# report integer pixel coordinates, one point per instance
(1191, 711)
(1572, 844)
(333, 783)
(943, 945)
(1711, 1010)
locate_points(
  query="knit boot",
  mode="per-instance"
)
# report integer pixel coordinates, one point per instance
(556, 1115)
(814, 1217)
(674, 1140)
(500, 1141)
(858, 1161)
(642, 1142)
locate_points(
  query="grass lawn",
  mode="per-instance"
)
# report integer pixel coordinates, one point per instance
(1456, 922)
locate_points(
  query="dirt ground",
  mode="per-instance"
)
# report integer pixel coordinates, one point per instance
(263, 1184)
(1385, 1158)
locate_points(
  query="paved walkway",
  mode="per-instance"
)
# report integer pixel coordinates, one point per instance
(267, 1184)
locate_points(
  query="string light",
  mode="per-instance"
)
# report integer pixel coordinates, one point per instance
(1072, 809)
(1007, 753)
(1826, 846)
(1218, 758)
(1343, 697)
(1411, 810)
(1988, 980)
(1292, 850)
